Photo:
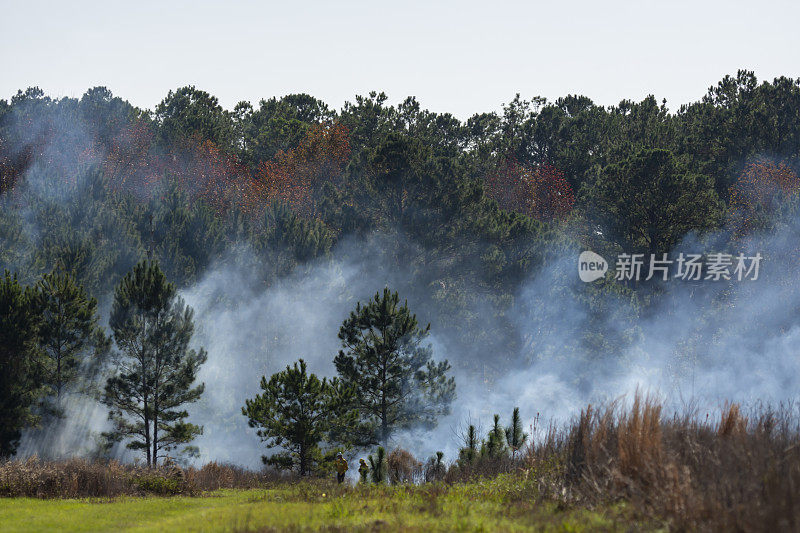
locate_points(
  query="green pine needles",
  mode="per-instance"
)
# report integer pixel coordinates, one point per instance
(155, 371)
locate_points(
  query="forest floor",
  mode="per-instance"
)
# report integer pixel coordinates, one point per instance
(479, 506)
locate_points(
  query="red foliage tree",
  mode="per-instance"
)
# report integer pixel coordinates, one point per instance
(197, 167)
(134, 164)
(208, 174)
(294, 175)
(761, 190)
(9, 169)
(541, 192)
(129, 165)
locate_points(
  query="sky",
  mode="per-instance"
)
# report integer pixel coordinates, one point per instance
(461, 57)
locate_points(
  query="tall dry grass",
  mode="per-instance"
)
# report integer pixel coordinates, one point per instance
(728, 472)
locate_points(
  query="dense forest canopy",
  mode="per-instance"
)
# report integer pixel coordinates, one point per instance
(461, 214)
(294, 176)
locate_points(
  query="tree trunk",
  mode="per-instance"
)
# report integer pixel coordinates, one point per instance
(384, 421)
(146, 415)
(384, 407)
(147, 431)
(58, 376)
(58, 361)
(155, 433)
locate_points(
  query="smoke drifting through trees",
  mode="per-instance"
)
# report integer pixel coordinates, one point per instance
(742, 354)
(546, 342)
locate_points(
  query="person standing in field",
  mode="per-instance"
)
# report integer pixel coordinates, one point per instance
(363, 471)
(341, 468)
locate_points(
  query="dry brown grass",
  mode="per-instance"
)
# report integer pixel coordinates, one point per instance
(481, 467)
(728, 472)
(80, 478)
(215, 476)
(74, 478)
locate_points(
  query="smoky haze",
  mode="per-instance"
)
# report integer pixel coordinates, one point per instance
(699, 344)
(744, 351)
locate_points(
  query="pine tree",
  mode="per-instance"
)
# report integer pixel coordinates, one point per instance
(397, 384)
(20, 371)
(650, 201)
(156, 370)
(68, 330)
(302, 239)
(469, 452)
(515, 436)
(298, 412)
(435, 468)
(495, 445)
(377, 466)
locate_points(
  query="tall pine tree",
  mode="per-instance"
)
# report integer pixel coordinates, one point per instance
(69, 329)
(20, 368)
(397, 383)
(156, 369)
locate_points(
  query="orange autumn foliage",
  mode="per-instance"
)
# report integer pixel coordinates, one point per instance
(129, 165)
(762, 188)
(204, 172)
(541, 192)
(293, 176)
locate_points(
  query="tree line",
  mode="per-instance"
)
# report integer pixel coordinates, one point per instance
(476, 208)
(52, 344)
(387, 378)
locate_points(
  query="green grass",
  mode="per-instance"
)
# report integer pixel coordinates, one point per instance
(497, 505)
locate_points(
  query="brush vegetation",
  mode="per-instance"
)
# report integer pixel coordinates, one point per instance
(614, 468)
(108, 213)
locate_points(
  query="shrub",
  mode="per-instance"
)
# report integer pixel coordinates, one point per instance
(156, 483)
(403, 467)
(79, 478)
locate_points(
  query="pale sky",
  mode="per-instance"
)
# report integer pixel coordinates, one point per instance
(459, 57)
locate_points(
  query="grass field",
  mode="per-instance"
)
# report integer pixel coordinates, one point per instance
(612, 469)
(487, 506)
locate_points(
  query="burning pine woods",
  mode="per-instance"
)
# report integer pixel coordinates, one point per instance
(298, 313)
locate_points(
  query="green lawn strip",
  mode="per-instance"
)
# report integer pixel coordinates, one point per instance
(392, 510)
(28, 514)
(345, 512)
(473, 507)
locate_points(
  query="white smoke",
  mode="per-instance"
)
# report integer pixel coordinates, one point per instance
(699, 345)
(702, 343)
